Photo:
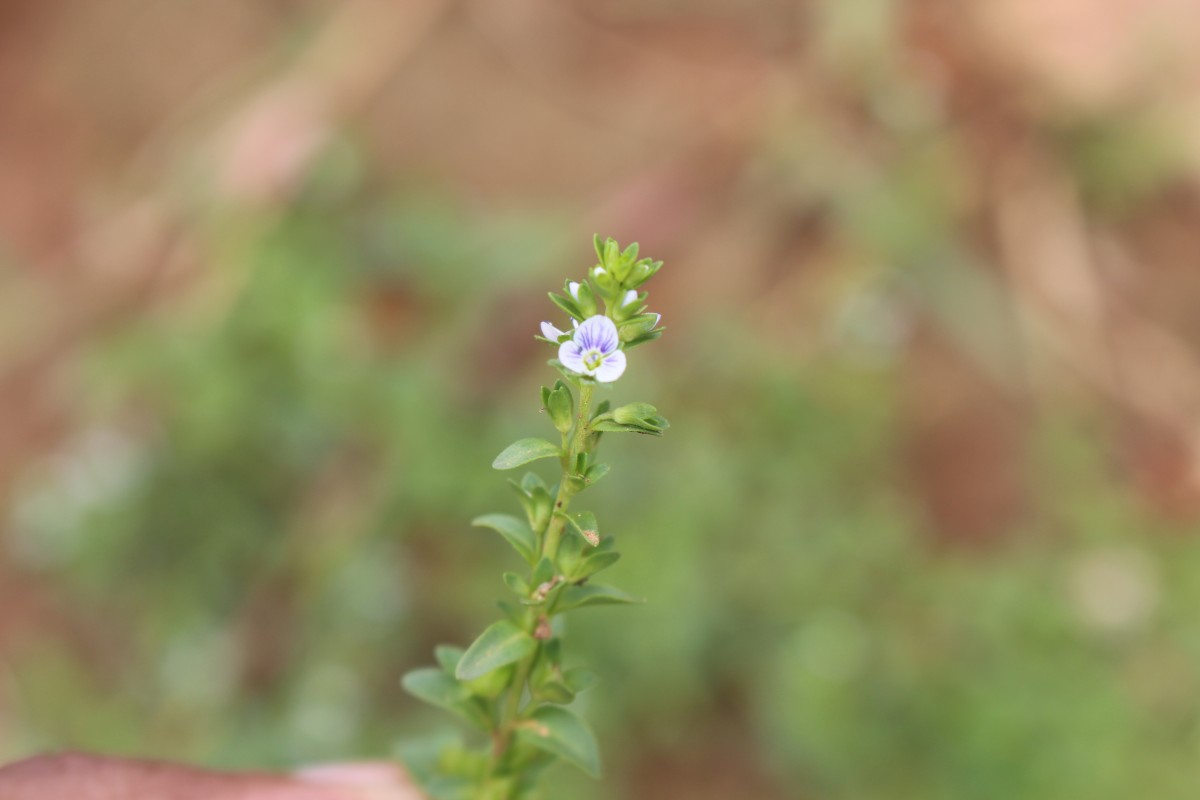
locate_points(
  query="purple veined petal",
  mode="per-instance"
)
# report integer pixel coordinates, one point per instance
(630, 297)
(573, 289)
(612, 367)
(598, 333)
(570, 353)
(550, 332)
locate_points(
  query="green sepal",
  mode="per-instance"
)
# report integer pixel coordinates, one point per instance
(591, 594)
(627, 311)
(563, 733)
(435, 687)
(645, 337)
(637, 326)
(568, 305)
(498, 646)
(515, 532)
(602, 408)
(604, 281)
(586, 302)
(642, 271)
(523, 451)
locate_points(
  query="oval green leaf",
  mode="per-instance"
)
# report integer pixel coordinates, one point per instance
(592, 594)
(523, 451)
(439, 689)
(561, 732)
(502, 643)
(515, 531)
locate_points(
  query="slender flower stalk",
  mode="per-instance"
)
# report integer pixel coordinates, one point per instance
(511, 683)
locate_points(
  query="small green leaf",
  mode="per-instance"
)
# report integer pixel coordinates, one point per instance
(514, 531)
(516, 584)
(513, 611)
(580, 679)
(448, 656)
(531, 481)
(523, 451)
(439, 689)
(561, 732)
(591, 594)
(586, 526)
(554, 692)
(611, 426)
(491, 685)
(595, 472)
(501, 644)
(595, 563)
(542, 573)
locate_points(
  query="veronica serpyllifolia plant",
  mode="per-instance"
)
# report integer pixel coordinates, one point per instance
(510, 683)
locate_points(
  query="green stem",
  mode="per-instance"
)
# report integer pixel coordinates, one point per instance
(554, 533)
(565, 490)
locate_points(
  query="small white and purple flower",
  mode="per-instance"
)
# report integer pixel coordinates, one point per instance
(594, 350)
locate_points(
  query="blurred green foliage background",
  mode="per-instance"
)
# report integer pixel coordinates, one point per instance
(923, 525)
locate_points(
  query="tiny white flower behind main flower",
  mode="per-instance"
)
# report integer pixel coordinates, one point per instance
(573, 288)
(630, 297)
(594, 350)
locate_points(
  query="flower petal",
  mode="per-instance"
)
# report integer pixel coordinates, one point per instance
(550, 332)
(612, 367)
(571, 355)
(598, 333)
(573, 288)
(630, 297)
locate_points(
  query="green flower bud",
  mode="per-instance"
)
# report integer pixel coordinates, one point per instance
(560, 407)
